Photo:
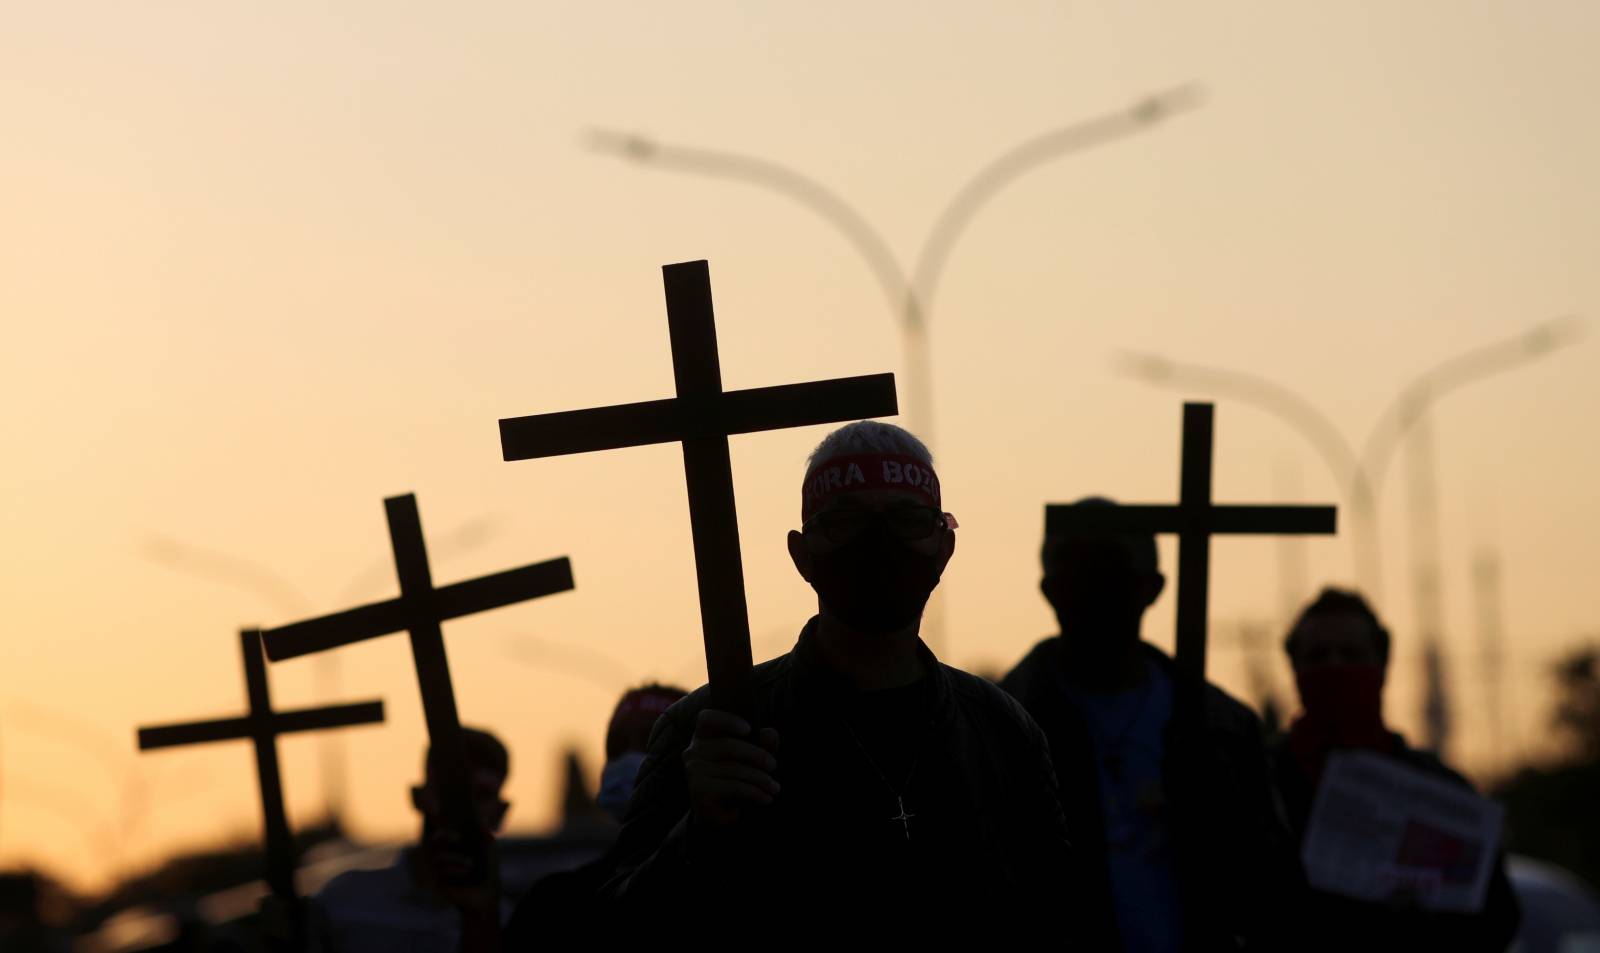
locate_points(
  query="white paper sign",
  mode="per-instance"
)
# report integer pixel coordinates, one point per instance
(1381, 830)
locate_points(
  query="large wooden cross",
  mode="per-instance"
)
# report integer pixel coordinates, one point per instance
(262, 726)
(702, 417)
(419, 610)
(1195, 519)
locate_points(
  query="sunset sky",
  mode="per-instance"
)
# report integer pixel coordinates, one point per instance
(264, 265)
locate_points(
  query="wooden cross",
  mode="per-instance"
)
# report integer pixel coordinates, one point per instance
(262, 726)
(420, 609)
(702, 417)
(1195, 519)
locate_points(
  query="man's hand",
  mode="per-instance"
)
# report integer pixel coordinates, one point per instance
(452, 864)
(727, 769)
(478, 902)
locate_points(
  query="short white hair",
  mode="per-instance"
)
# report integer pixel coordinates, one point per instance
(870, 436)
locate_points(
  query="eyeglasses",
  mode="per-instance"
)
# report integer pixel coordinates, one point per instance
(908, 523)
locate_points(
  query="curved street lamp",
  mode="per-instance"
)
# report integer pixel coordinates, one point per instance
(910, 292)
(1360, 474)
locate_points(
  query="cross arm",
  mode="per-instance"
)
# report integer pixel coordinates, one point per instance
(584, 431)
(331, 631)
(194, 733)
(733, 412)
(333, 716)
(802, 405)
(1274, 520)
(503, 588)
(449, 602)
(1141, 518)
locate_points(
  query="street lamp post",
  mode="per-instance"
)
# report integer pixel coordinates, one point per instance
(1361, 475)
(910, 292)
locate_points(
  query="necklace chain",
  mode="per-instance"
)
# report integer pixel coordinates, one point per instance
(904, 817)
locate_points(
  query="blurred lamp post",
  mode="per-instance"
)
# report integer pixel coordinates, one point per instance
(909, 293)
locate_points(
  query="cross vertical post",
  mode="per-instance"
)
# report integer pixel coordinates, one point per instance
(1194, 543)
(708, 472)
(275, 818)
(432, 665)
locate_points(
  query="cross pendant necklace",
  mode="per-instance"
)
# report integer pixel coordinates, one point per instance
(903, 817)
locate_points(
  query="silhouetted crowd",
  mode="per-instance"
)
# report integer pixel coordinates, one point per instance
(872, 791)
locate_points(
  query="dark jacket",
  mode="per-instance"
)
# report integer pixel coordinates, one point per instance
(990, 838)
(1235, 859)
(1331, 922)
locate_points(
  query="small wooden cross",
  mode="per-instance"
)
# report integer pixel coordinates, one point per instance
(420, 609)
(702, 417)
(262, 726)
(1195, 519)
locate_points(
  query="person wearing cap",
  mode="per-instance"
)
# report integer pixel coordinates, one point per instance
(874, 786)
(627, 739)
(1201, 864)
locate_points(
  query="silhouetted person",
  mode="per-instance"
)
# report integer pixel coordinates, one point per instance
(877, 789)
(411, 904)
(1172, 859)
(627, 740)
(1340, 654)
(568, 900)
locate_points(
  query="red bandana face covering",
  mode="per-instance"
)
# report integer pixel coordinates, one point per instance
(1343, 709)
(868, 471)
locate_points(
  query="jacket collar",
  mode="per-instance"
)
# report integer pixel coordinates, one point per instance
(815, 682)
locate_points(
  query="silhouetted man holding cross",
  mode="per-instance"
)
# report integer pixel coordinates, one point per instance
(419, 611)
(900, 780)
(877, 780)
(1164, 777)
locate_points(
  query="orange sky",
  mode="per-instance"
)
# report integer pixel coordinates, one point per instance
(262, 266)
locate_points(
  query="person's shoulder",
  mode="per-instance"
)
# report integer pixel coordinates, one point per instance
(763, 677)
(362, 884)
(1223, 711)
(988, 700)
(1427, 762)
(1035, 669)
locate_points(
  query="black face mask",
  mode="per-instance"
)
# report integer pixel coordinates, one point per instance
(875, 583)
